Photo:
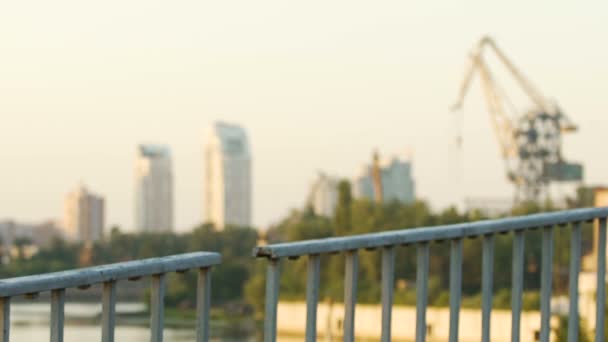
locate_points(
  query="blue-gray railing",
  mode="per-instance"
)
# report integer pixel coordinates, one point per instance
(109, 275)
(420, 237)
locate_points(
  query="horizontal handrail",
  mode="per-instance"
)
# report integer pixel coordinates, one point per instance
(111, 272)
(424, 234)
(419, 238)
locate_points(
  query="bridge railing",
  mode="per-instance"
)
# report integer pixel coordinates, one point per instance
(420, 238)
(56, 283)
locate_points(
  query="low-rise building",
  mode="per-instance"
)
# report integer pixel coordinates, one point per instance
(396, 178)
(27, 238)
(83, 215)
(323, 196)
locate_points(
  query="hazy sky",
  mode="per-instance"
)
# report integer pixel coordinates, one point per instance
(317, 84)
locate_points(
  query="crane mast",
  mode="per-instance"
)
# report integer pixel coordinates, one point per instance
(530, 144)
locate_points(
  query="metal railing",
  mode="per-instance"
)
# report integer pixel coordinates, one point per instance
(109, 275)
(420, 239)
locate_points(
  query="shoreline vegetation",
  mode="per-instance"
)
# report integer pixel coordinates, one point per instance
(180, 319)
(238, 284)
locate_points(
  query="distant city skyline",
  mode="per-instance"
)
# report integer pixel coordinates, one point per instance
(83, 83)
(153, 189)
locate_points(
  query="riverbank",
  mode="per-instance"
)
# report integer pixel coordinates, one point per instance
(291, 320)
(35, 315)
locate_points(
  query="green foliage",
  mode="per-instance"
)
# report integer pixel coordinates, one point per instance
(359, 216)
(235, 244)
(343, 218)
(240, 278)
(58, 257)
(256, 286)
(561, 333)
(531, 301)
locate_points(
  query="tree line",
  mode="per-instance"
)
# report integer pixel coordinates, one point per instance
(358, 216)
(240, 279)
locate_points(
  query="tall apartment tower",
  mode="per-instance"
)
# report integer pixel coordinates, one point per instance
(83, 215)
(227, 181)
(153, 189)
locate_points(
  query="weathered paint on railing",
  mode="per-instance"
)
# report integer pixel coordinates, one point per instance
(421, 237)
(109, 275)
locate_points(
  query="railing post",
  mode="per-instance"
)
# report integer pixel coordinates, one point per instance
(455, 287)
(517, 284)
(575, 264)
(312, 296)
(108, 316)
(272, 300)
(157, 307)
(546, 284)
(486, 285)
(5, 319)
(601, 281)
(57, 284)
(203, 303)
(422, 277)
(350, 294)
(57, 315)
(388, 280)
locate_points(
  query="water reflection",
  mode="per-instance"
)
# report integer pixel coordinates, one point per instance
(30, 322)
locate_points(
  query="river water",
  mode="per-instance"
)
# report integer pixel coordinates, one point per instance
(30, 322)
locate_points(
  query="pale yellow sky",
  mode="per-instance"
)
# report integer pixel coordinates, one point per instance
(317, 84)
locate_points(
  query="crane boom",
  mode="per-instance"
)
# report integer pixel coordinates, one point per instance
(529, 144)
(529, 89)
(534, 94)
(501, 122)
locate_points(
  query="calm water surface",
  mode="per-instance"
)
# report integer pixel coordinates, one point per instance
(30, 322)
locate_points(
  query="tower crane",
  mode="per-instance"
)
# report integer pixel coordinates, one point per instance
(530, 142)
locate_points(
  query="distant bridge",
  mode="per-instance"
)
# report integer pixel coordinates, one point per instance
(419, 238)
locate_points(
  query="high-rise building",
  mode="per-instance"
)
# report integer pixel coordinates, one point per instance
(83, 215)
(323, 196)
(396, 179)
(153, 189)
(227, 181)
